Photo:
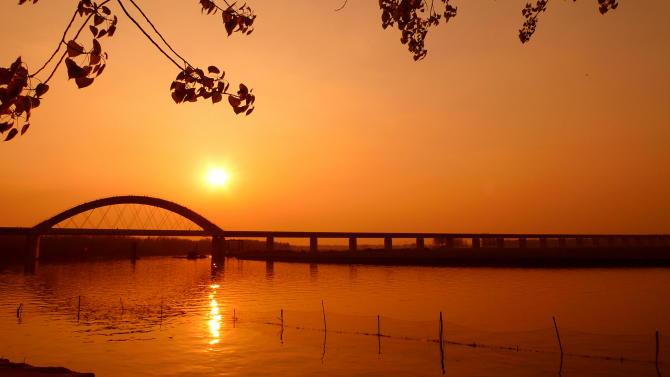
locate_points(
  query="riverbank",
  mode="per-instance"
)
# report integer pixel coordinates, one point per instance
(485, 257)
(10, 369)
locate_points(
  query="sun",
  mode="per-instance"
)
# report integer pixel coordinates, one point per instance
(217, 177)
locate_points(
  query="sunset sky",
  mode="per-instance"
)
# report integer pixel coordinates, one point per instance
(568, 133)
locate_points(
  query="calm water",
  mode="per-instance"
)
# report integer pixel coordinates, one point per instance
(172, 317)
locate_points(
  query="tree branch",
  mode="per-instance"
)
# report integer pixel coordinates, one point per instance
(74, 38)
(148, 36)
(60, 44)
(159, 34)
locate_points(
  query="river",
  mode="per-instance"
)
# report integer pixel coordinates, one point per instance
(171, 317)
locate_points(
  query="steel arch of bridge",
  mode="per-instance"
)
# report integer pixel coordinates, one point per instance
(208, 228)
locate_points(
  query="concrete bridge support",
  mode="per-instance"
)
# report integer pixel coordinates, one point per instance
(32, 252)
(219, 249)
(313, 244)
(353, 244)
(388, 243)
(420, 244)
(476, 242)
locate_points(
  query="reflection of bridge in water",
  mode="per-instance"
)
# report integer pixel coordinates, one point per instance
(148, 216)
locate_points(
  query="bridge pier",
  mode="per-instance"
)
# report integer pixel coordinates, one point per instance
(270, 243)
(420, 244)
(219, 249)
(353, 244)
(313, 244)
(32, 251)
(388, 243)
(476, 242)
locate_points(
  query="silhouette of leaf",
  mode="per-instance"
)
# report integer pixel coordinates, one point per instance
(5, 76)
(83, 82)
(213, 69)
(74, 49)
(216, 97)
(40, 89)
(230, 26)
(11, 134)
(94, 30)
(25, 128)
(240, 109)
(73, 70)
(234, 101)
(97, 49)
(5, 126)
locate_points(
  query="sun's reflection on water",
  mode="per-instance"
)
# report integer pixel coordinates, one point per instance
(214, 317)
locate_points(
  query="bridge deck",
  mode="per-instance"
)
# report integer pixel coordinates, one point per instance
(302, 234)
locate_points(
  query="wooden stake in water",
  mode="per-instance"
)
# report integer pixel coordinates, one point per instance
(379, 336)
(281, 333)
(658, 370)
(560, 345)
(19, 311)
(78, 307)
(324, 317)
(441, 340)
(122, 308)
(325, 331)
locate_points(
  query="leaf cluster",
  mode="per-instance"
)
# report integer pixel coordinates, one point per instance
(530, 13)
(235, 19)
(94, 60)
(413, 18)
(17, 98)
(606, 5)
(193, 83)
(84, 65)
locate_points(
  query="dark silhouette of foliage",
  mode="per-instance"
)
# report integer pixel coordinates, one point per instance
(411, 19)
(414, 17)
(532, 11)
(22, 91)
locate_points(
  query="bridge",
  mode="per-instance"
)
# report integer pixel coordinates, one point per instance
(148, 216)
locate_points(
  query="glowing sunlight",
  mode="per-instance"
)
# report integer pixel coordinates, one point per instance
(217, 177)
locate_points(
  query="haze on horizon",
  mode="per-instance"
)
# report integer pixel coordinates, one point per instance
(568, 133)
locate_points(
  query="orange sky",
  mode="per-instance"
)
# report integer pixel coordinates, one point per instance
(569, 133)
